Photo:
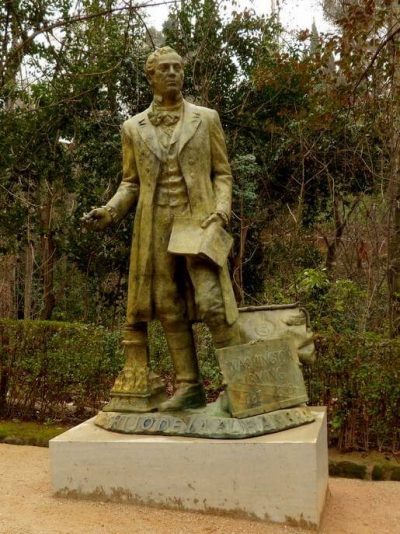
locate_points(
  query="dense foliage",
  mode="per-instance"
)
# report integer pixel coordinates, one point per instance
(358, 379)
(308, 141)
(313, 133)
(55, 369)
(64, 371)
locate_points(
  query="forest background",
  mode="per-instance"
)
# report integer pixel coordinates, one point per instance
(313, 131)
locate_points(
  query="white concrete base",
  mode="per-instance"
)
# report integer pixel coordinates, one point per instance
(280, 477)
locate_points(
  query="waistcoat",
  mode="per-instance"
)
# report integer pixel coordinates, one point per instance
(171, 186)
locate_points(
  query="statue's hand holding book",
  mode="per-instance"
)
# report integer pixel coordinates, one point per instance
(189, 237)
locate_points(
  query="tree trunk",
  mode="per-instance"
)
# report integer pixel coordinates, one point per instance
(4, 370)
(341, 222)
(48, 256)
(393, 267)
(238, 261)
(8, 307)
(28, 280)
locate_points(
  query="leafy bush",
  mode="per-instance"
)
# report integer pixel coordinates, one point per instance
(357, 376)
(334, 305)
(46, 367)
(59, 370)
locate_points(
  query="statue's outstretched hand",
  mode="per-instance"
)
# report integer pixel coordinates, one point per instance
(97, 219)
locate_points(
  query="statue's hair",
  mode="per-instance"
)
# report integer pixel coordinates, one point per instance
(153, 58)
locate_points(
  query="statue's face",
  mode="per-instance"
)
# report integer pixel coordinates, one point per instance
(167, 78)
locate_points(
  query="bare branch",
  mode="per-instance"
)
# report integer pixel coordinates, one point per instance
(389, 37)
(60, 23)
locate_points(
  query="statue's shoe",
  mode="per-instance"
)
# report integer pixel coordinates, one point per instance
(186, 397)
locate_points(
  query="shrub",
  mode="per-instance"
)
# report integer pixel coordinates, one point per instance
(48, 366)
(59, 370)
(347, 470)
(357, 376)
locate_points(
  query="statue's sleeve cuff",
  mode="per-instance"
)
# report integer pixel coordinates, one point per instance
(223, 216)
(112, 212)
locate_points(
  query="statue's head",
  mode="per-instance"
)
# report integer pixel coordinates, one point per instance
(164, 71)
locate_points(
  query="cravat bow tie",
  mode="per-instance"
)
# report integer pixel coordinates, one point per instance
(169, 118)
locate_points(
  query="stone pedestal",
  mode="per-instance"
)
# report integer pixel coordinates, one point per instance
(280, 477)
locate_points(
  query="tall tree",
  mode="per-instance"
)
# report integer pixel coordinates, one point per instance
(394, 173)
(82, 71)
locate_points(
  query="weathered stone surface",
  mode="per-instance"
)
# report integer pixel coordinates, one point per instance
(279, 477)
(136, 389)
(128, 403)
(203, 424)
(177, 178)
(281, 320)
(188, 238)
(261, 377)
(175, 165)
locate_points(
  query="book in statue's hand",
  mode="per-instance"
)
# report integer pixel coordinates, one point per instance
(189, 239)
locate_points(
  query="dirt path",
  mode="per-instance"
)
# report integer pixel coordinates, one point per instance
(27, 507)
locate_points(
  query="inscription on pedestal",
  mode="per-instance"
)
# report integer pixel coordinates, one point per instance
(203, 425)
(261, 377)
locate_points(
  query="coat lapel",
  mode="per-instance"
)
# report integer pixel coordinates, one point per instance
(149, 135)
(191, 121)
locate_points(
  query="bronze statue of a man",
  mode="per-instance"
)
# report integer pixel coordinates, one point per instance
(174, 165)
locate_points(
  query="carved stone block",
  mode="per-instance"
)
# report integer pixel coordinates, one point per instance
(261, 377)
(136, 388)
(280, 320)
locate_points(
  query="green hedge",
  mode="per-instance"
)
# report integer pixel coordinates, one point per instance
(357, 376)
(58, 370)
(54, 369)
(46, 368)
